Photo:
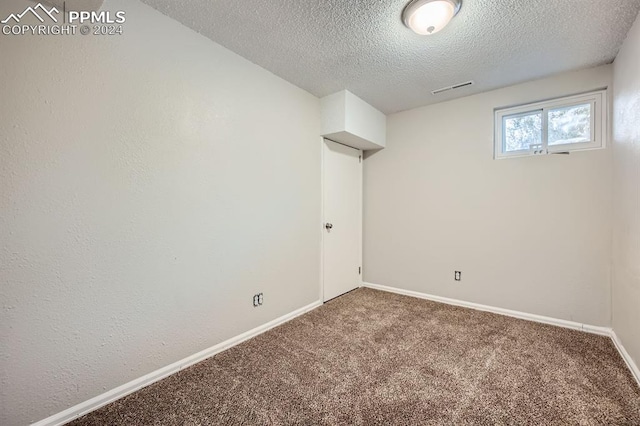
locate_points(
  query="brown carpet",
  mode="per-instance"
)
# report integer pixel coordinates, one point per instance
(375, 358)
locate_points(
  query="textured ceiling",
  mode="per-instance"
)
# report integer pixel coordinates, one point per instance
(324, 46)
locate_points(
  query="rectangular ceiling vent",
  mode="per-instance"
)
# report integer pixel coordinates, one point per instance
(454, 87)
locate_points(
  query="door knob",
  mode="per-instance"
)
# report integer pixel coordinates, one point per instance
(328, 226)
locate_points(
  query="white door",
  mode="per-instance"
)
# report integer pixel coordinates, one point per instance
(342, 203)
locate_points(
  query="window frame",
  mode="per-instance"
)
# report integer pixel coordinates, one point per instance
(598, 128)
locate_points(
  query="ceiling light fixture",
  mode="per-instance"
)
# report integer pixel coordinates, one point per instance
(429, 16)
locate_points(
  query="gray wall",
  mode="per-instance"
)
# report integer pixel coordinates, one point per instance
(150, 184)
(626, 225)
(528, 234)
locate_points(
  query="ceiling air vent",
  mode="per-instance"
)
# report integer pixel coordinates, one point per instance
(454, 87)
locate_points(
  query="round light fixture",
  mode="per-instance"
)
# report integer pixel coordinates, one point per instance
(429, 16)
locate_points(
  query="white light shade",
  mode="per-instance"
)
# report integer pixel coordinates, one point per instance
(429, 16)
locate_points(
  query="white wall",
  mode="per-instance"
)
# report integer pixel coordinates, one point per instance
(626, 189)
(528, 234)
(150, 184)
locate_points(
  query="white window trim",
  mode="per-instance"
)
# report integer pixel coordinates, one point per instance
(598, 101)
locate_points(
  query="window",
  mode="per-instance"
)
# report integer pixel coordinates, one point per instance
(556, 126)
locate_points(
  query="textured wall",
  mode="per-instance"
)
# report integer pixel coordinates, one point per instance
(626, 184)
(150, 184)
(529, 234)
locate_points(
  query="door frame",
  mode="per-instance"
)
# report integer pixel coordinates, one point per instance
(322, 218)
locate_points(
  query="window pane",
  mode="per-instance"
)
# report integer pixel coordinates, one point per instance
(522, 130)
(570, 124)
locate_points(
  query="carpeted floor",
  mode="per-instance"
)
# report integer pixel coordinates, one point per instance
(375, 358)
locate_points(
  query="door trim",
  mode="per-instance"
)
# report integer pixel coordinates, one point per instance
(322, 219)
(321, 224)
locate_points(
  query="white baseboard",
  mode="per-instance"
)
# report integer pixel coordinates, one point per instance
(603, 331)
(625, 355)
(134, 385)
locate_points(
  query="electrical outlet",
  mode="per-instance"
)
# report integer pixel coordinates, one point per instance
(258, 299)
(458, 276)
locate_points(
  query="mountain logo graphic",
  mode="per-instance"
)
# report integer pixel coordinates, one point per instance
(34, 11)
